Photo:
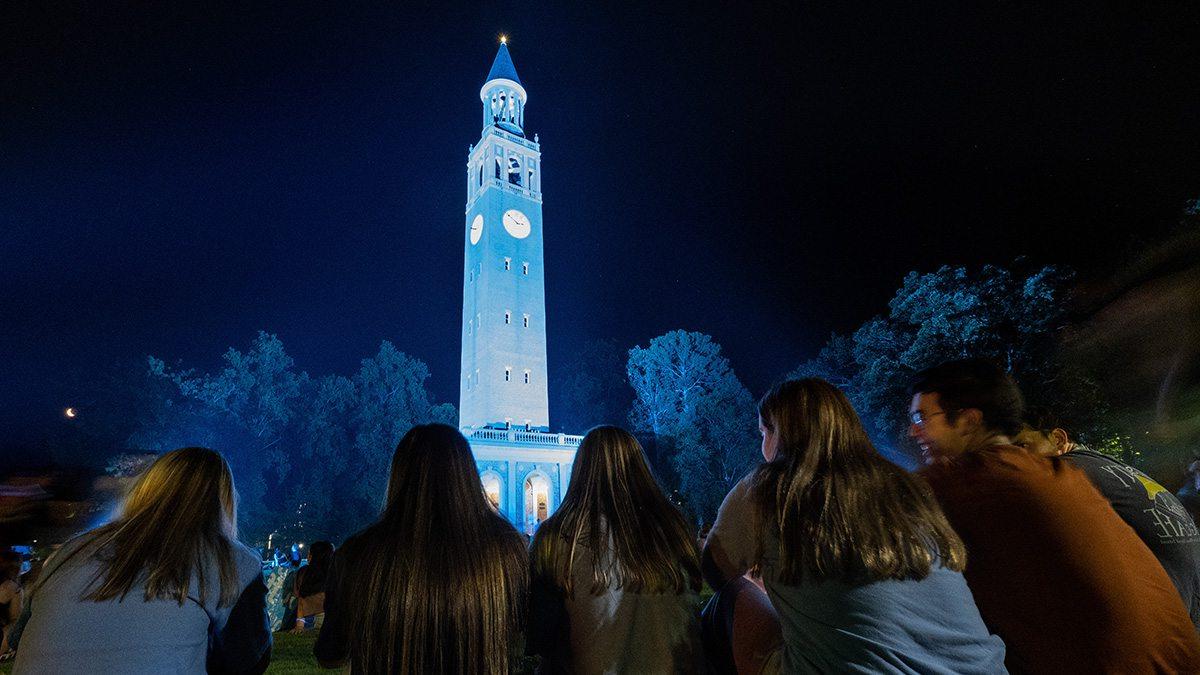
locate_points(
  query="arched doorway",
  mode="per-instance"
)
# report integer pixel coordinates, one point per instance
(537, 500)
(492, 488)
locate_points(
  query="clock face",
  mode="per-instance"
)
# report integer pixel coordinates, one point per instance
(516, 223)
(476, 229)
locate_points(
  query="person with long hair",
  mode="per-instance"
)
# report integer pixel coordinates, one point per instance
(860, 564)
(436, 585)
(309, 586)
(616, 572)
(11, 595)
(165, 587)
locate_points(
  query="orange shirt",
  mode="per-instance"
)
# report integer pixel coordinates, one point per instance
(1056, 573)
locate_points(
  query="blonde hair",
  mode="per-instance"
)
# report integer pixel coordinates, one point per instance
(840, 509)
(179, 519)
(613, 504)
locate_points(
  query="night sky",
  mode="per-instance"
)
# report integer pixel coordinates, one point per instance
(173, 180)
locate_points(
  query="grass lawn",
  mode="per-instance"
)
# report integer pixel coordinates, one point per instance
(293, 654)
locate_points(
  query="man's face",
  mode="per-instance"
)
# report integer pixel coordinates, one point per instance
(938, 438)
(1046, 445)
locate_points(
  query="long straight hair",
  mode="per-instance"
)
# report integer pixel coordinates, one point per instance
(442, 580)
(842, 511)
(178, 520)
(614, 506)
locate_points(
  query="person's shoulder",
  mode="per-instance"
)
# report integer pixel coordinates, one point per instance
(246, 561)
(996, 464)
(742, 490)
(1086, 457)
(356, 544)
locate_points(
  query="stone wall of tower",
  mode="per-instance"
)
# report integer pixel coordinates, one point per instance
(504, 370)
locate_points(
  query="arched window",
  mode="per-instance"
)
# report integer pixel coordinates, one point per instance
(514, 171)
(492, 488)
(499, 168)
(481, 174)
(537, 500)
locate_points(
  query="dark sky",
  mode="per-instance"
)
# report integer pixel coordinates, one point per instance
(174, 179)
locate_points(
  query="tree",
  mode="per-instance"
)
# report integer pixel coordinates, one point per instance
(1013, 318)
(594, 389)
(700, 416)
(246, 410)
(310, 457)
(389, 398)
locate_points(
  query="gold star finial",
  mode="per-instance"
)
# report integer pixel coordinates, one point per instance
(503, 39)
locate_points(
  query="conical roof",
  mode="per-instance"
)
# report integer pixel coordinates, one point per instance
(502, 67)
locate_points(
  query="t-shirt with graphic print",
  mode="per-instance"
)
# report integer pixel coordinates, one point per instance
(1155, 514)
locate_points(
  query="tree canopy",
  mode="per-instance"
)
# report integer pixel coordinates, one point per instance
(1012, 317)
(698, 414)
(310, 455)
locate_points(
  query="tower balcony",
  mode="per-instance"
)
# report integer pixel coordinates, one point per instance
(521, 437)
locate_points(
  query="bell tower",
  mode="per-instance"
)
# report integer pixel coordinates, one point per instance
(503, 382)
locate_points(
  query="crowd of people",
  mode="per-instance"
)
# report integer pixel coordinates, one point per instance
(1015, 549)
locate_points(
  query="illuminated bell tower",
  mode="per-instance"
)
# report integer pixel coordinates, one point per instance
(503, 383)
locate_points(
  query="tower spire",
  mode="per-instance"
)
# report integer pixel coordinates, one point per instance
(502, 65)
(502, 94)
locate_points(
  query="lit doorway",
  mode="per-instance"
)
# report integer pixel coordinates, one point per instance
(492, 489)
(537, 500)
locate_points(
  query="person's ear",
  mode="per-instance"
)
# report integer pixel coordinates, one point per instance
(972, 416)
(1061, 441)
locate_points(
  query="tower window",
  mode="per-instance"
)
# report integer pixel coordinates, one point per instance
(470, 327)
(514, 171)
(481, 173)
(507, 374)
(507, 316)
(507, 264)
(525, 268)
(499, 166)
(527, 377)
(526, 319)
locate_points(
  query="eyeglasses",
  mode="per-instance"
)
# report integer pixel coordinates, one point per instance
(919, 418)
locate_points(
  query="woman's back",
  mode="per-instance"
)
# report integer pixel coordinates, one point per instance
(858, 560)
(438, 584)
(615, 569)
(627, 631)
(67, 633)
(930, 625)
(432, 616)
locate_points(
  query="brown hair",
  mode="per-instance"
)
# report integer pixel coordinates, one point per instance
(614, 504)
(842, 511)
(442, 578)
(179, 519)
